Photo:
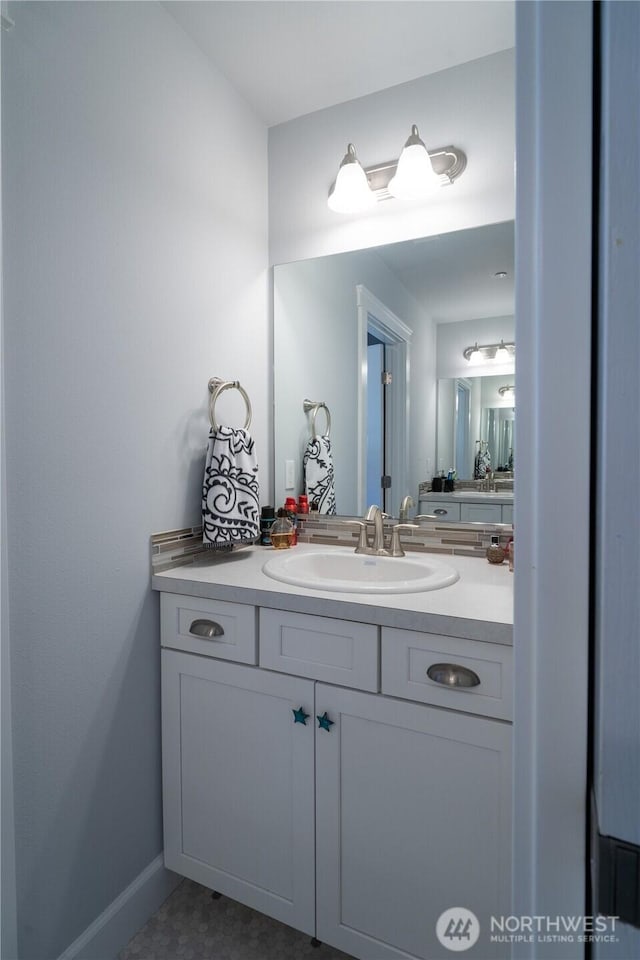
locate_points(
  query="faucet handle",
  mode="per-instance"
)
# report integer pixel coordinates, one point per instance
(426, 516)
(396, 545)
(363, 541)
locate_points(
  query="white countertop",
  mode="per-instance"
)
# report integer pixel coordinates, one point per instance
(478, 606)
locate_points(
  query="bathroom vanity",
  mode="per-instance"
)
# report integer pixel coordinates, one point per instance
(469, 506)
(317, 768)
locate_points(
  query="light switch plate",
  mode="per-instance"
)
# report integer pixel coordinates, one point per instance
(289, 474)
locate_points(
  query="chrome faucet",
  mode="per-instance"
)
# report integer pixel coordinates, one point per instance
(374, 515)
(405, 506)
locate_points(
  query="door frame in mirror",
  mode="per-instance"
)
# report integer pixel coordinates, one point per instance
(372, 313)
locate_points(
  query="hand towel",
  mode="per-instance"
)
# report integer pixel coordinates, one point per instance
(318, 474)
(230, 490)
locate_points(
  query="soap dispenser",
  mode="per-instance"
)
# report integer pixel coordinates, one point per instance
(495, 553)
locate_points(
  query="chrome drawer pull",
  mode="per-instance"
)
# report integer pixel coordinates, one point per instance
(439, 512)
(207, 629)
(453, 675)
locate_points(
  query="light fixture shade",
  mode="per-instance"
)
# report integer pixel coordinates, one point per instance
(415, 178)
(502, 354)
(351, 192)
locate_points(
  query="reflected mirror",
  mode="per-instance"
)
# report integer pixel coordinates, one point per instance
(375, 339)
(475, 426)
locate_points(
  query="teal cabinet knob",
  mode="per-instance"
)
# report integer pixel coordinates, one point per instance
(299, 716)
(324, 723)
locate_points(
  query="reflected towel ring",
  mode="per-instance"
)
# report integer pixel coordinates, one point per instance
(218, 386)
(311, 405)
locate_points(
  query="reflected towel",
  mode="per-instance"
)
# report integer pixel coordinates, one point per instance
(230, 490)
(318, 474)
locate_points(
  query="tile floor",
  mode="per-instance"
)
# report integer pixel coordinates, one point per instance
(190, 925)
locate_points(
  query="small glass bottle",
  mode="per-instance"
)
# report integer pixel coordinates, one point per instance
(495, 553)
(291, 508)
(281, 531)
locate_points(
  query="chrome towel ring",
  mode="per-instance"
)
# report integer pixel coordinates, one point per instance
(218, 386)
(309, 405)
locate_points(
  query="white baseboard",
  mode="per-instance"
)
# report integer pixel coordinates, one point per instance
(115, 926)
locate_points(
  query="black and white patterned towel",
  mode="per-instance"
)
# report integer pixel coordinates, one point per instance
(318, 474)
(230, 490)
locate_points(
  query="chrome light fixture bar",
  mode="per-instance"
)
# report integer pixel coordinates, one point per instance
(414, 176)
(503, 352)
(508, 392)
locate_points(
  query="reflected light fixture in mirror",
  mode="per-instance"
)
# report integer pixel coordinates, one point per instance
(508, 392)
(501, 352)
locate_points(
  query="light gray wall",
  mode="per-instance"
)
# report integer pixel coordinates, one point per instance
(616, 774)
(8, 934)
(135, 268)
(471, 106)
(315, 349)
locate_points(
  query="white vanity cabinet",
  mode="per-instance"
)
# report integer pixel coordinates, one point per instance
(474, 508)
(361, 830)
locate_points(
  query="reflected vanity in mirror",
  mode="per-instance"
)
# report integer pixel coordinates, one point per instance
(476, 421)
(379, 335)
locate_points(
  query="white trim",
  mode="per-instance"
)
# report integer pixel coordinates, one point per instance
(554, 43)
(8, 924)
(128, 913)
(388, 324)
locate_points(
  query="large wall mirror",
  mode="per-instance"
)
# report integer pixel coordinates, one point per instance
(378, 336)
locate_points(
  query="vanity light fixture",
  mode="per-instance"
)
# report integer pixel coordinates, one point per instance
(502, 352)
(415, 176)
(507, 392)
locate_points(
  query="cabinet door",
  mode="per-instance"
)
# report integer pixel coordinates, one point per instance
(238, 776)
(481, 512)
(413, 809)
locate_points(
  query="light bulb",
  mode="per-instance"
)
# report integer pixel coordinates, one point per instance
(415, 178)
(502, 354)
(351, 192)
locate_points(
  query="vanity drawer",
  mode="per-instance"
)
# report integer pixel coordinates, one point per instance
(507, 513)
(407, 656)
(481, 512)
(444, 509)
(212, 628)
(321, 648)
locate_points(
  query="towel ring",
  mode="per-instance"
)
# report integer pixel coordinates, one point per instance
(218, 386)
(310, 405)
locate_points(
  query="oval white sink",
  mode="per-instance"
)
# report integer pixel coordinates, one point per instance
(344, 571)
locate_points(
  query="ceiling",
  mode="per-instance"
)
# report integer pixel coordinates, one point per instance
(453, 275)
(291, 57)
